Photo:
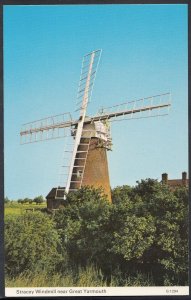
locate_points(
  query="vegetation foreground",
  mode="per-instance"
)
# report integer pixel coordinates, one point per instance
(141, 239)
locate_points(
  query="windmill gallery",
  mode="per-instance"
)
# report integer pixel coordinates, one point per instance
(85, 156)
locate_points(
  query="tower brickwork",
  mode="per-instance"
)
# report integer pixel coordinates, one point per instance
(96, 170)
(91, 165)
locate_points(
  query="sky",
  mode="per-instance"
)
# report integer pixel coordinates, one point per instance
(144, 53)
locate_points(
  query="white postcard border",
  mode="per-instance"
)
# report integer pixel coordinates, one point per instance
(97, 291)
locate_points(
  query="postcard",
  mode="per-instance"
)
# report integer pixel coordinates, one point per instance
(96, 149)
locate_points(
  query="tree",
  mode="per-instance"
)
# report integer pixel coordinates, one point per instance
(39, 200)
(31, 243)
(132, 232)
(149, 226)
(168, 210)
(82, 224)
(120, 194)
(30, 201)
(144, 230)
(21, 201)
(26, 200)
(6, 200)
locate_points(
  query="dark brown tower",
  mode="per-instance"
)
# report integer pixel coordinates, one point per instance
(96, 170)
(91, 166)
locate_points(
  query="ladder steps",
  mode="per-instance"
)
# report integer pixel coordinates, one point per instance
(75, 174)
(78, 166)
(77, 181)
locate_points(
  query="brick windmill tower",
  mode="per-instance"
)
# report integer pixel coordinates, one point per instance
(85, 155)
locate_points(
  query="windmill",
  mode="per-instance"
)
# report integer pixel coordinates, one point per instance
(85, 155)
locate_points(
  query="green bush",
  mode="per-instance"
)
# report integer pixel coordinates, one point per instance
(31, 243)
(150, 227)
(83, 226)
(139, 239)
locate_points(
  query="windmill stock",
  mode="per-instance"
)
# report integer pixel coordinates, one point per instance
(85, 156)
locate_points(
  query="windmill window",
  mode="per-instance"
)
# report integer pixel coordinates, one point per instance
(79, 173)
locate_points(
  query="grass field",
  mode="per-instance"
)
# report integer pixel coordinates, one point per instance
(18, 208)
(90, 276)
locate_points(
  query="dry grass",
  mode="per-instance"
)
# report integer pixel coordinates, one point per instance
(89, 277)
(86, 277)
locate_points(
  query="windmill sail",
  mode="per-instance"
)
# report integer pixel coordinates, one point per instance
(90, 64)
(62, 125)
(88, 73)
(45, 129)
(157, 105)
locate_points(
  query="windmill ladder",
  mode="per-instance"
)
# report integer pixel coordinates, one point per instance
(82, 167)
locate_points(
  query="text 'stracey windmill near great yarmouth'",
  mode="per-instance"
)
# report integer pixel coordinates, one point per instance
(85, 157)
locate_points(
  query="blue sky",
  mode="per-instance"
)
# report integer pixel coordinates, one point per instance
(144, 53)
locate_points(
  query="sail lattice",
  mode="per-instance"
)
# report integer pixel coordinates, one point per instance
(89, 67)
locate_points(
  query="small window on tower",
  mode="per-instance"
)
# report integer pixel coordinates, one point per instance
(79, 173)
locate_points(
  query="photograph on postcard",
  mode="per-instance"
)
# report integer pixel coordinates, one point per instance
(96, 149)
